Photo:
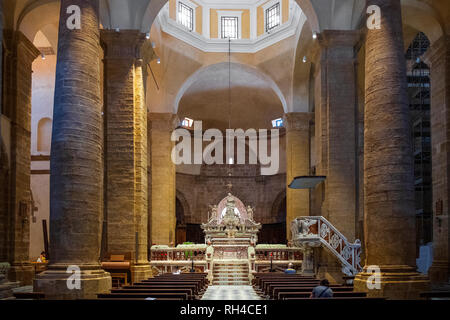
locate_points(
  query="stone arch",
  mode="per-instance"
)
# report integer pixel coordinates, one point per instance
(202, 71)
(423, 17)
(277, 205)
(30, 20)
(181, 200)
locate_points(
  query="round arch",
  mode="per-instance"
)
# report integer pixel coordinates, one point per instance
(244, 68)
(422, 17)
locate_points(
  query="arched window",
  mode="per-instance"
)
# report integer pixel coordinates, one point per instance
(44, 135)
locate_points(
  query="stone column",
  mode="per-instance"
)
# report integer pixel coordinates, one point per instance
(389, 215)
(76, 180)
(337, 106)
(438, 57)
(163, 190)
(126, 149)
(298, 164)
(17, 89)
(335, 134)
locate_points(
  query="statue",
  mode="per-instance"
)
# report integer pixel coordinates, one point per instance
(250, 213)
(231, 224)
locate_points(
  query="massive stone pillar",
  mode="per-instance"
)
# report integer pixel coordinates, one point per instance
(389, 215)
(76, 180)
(126, 149)
(163, 190)
(298, 164)
(20, 54)
(336, 137)
(438, 57)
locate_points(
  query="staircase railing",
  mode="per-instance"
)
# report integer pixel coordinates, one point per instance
(314, 231)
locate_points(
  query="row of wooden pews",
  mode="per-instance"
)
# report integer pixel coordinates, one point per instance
(185, 286)
(280, 286)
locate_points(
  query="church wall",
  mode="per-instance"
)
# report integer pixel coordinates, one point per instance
(43, 85)
(210, 188)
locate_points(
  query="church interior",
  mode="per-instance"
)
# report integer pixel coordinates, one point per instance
(119, 179)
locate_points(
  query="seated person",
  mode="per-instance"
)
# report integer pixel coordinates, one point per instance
(323, 290)
(42, 258)
(290, 269)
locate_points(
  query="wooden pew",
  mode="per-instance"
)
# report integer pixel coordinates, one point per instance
(192, 287)
(300, 294)
(277, 290)
(199, 286)
(29, 295)
(150, 291)
(143, 296)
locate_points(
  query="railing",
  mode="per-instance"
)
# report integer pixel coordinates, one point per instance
(314, 231)
(164, 253)
(278, 254)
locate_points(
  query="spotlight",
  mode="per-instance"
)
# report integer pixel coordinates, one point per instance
(43, 56)
(158, 61)
(147, 35)
(314, 35)
(304, 59)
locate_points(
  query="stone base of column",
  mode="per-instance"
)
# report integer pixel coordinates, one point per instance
(438, 272)
(396, 282)
(23, 273)
(141, 272)
(53, 283)
(6, 292)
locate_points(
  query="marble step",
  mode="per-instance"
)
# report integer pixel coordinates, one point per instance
(231, 283)
(232, 276)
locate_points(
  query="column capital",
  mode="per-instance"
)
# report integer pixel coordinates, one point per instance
(298, 120)
(16, 40)
(339, 38)
(124, 44)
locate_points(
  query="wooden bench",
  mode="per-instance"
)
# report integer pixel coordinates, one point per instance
(277, 290)
(150, 291)
(435, 295)
(300, 294)
(29, 295)
(164, 286)
(143, 296)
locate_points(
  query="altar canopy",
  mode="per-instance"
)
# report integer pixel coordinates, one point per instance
(231, 222)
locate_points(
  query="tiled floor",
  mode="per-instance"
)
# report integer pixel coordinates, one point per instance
(230, 293)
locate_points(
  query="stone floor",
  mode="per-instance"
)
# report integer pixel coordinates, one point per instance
(230, 293)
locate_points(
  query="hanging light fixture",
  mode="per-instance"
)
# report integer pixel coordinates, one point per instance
(231, 160)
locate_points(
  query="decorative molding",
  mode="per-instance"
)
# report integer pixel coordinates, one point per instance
(200, 42)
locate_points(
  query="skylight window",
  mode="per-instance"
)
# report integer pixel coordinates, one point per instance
(186, 16)
(277, 123)
(273, 17)
(230, 27)
(187, 123)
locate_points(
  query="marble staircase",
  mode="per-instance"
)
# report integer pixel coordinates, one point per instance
(231, 273)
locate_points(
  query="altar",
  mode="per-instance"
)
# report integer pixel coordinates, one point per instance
(230, 229)
(231, 253)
